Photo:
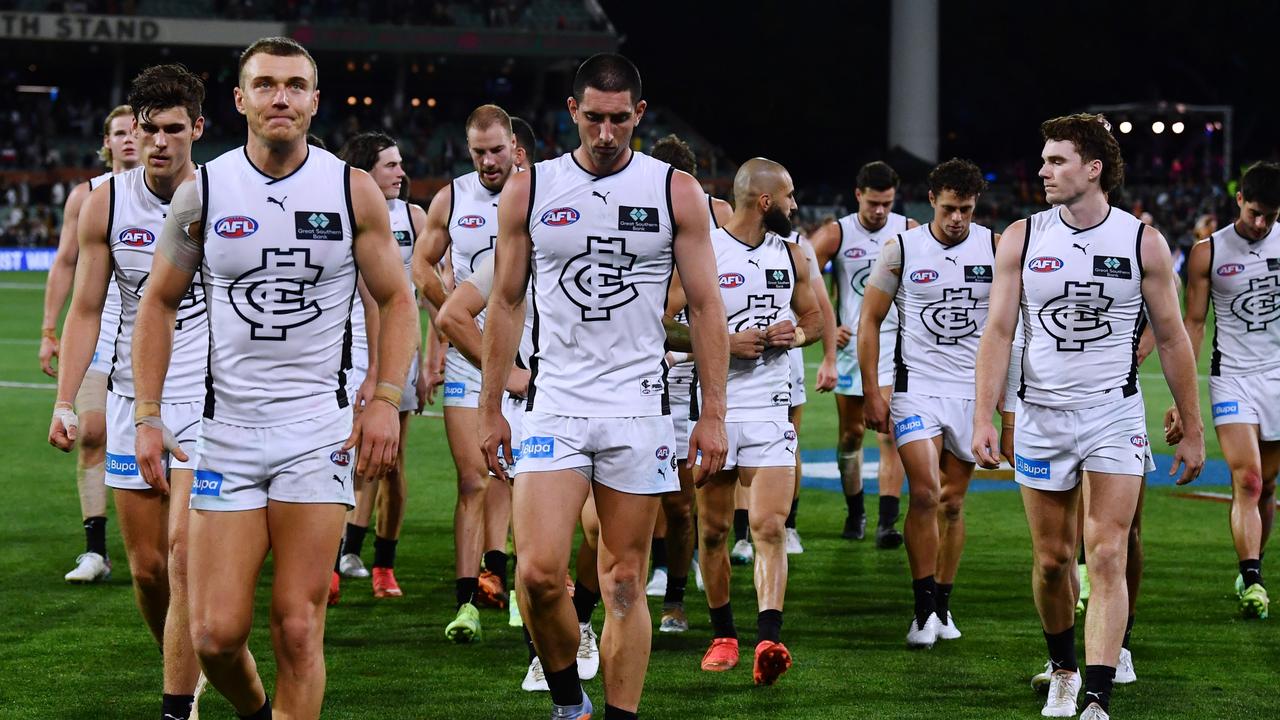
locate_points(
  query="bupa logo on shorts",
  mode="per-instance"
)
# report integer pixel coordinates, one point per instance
(341, 458)
(1139, 440)
(924, 276)
(777, 279)
(662, 453)
(728, 281)
(854, 253)
(455, 389)
(1226, 408)
(234, 227)
(844, 382)
(638, 219)
(1044, 264)
(1035, 469)
(207, 482)
(789, 435)
(559, 217)
(538, 447)
(907, 425)
(125, 465)
(137, 237)
(1230, 269)
(309, 225)
(471, 221)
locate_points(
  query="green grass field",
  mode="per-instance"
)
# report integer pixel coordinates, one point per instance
(81, 652)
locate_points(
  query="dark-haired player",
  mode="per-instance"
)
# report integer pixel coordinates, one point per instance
(1238, 270)
(596, 232)
(119, 226)
(526, 144)
(851, 245)
(939, 278)
(1081, 273)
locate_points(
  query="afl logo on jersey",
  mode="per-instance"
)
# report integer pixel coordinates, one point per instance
(1230, 269)
(1139, 440)
(341, 458)
(854, 253)
(235, 226)
(559, 217)
(472, 221)
(662, 453)
(137, 237)
(924, 276)
(731, 280)
(1045, 264)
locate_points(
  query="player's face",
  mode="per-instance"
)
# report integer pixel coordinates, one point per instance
(606, 121)
(1256, 219)
(1066, 175)
(388, 172)
(874, 206)
(121, 141)
(278, 97)
(493, 153)
(521, 159)
(780, 206)
(952, 213)
(166, 137)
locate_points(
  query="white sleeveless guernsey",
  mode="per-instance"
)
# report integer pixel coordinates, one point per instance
(135, 221)
(1244, 278)
(852, 264)
(405, 234)
(111, 305)
(683, 373)
(756, 284)
(279, 280)
(1082, 310)
(942, 303)
(601, 264)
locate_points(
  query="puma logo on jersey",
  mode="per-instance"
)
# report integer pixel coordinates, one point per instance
(1074, 318)
(272, 298)
(1082, 248)
(1259, 305)
(279, 202)
(949, 318)
(951, 260)
(603, 198)
(594, 279)
(340, 481)
(1255, 254)
(753, 261)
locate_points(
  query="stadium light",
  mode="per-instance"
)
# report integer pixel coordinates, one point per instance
(431, 102)
(351, 99)
(368, 100)
(415, 102)
(1126, 127)
(1157, 127)
(1177, 127)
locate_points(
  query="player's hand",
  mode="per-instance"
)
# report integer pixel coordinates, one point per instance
(152, 441)
(876, 412)
(1006, 442)
(1172, 426)
(64, 427)
(518, 382)
(376, 437)
(364, 393)
(827, 378)
(496, 443)
(748, 344)
(420, 390)
(843, 336)
(432, 382)
(709, 444)
(986, 445)
(1190, 454)
(49, 348)
(780, 334)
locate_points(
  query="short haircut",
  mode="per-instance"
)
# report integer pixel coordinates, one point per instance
(361, 151)
(877, 175)
(524, 136)
(1092, 138)
(960, 176)
(607, 72)
(161, 87)
(1261, 184)
(104, 154)
(280, 47)
(486, 116)
(676, 153)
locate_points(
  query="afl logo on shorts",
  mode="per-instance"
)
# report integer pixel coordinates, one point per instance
(662, 453)
(1230, 269)
(731, 280)
(1044, 264)
(137, 237)
(235, 226)
(559, 217)
(789, 435)
(1139, 440)
(924, 276)
(854, 253)
(341, 458)
(470, 221)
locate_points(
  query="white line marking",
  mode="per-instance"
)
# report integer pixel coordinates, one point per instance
(27, 386)
(20, 286)
(1141, 375)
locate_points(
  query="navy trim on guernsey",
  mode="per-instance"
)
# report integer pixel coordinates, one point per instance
(899, 367)
(1215, 362)
(274, 180)
(835, 276)
(1131, 383)
(1026, 246)
(711, 210)
(111, 220)
(594, 176)
(531, 276)
(1076, 231)
(662, 308)
(413, 231)
(204, 279)
(694, 410)
(345, 365)
(453, 197)
(671, 211)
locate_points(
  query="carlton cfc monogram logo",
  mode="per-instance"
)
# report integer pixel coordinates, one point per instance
(760, 312)
(949, 318)
(1074, 318)
(1258, 306)
(272, 297)
(593, 280)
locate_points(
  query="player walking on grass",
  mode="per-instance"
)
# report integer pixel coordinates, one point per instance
(596, 231)
(1081, 274)
(120, 224)
(276, 230)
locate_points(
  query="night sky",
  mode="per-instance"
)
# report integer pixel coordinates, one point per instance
(806, 86)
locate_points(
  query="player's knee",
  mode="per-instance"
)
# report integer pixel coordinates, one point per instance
(299, 633)
(951, 505)
(678, 509)
(768, 530)
(851, 436)
(622, 587)
(1248, 482)
(924, 498)
(150, 569)
(543, 584)
(1107, 558)
(93, 436)
(472, 487)
(1053, 564)
(218, 642)
(712, 533)
(1268, 493)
